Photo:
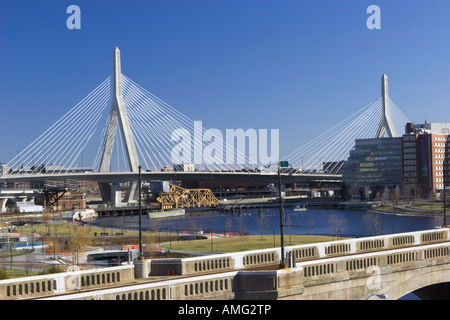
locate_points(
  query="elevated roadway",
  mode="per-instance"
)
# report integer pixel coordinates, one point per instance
(121, 177)
(19, 194)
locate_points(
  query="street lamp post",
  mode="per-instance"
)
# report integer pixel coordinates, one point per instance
(141, 266)
(445, 225)
(281, 164)
(140, 216)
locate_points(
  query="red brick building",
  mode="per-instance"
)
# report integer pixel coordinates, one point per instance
(426, 157)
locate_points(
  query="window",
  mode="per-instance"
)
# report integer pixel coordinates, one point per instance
(409, 144)
(409, 150)
(410, 174)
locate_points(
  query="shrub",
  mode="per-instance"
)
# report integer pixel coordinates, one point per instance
(53, 269)
(3, 274)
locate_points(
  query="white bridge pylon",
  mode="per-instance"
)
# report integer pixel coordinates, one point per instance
(327, 152)
(118, 119)
(386, 125)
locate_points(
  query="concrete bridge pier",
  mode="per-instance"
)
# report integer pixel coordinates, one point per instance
(141, 268)
(3, 201)
(111, 194)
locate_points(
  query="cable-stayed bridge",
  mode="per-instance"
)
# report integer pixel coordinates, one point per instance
(378, 119)
(120, 126)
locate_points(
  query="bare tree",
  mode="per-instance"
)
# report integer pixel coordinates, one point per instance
(289, 227)
(229, 225)
(373, 223)
(395, 195)
(242, 231)
(311, 223)
(337, 225)
(367, 193)
(262, 220)
(385, 195)
(352, 190)
(193, 228)
(407, 192)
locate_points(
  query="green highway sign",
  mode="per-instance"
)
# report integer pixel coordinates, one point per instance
(284, 164)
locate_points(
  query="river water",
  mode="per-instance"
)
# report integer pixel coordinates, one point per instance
(352, 223)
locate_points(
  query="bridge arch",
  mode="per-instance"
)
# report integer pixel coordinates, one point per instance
(426, 285)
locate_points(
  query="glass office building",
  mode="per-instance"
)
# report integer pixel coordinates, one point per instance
(376, 163)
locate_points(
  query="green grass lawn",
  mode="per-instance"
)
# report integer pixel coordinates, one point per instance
(69, 229)
(244, 243)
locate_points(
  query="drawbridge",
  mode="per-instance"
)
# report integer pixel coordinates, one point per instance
(179, 197)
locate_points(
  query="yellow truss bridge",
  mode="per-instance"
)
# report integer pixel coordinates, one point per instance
(179, 197)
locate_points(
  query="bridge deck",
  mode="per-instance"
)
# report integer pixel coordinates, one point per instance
(120, 177)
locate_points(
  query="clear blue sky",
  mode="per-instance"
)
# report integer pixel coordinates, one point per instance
(300, 66)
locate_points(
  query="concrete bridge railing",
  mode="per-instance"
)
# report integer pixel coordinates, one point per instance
(390, 265)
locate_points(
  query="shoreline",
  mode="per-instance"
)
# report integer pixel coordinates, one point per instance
(409, 213)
